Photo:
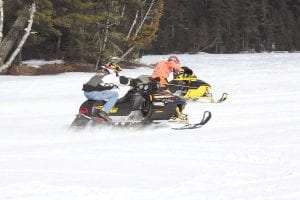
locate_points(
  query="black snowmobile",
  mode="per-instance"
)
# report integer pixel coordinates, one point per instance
(188, 86)
(143, 104)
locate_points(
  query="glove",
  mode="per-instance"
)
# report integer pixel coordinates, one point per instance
(111, 85)
(108, 84)
(115, 86)
(157, 79)
(124, 80)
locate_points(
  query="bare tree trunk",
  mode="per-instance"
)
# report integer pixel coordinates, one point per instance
(105, 36)
(19, 58)
(1, 20)
(57, 53)
(10, 39)
(132, 25)
(102, 48)
(125, 54)
(137, 31)
(143, 21)
(123, 11)
(23, 40)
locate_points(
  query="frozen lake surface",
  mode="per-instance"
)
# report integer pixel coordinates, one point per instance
(249, 150)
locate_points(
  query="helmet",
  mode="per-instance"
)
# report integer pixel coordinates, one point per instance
(112, 67)
(174, 58)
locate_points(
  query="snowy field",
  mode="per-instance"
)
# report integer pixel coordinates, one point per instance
(249, 150)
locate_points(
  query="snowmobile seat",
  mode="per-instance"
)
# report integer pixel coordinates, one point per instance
(127, 97)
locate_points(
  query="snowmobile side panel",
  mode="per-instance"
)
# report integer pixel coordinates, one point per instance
(163, 113)
(123, 106)
(195, 93)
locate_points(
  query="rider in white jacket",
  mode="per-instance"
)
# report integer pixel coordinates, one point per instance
(105, 85)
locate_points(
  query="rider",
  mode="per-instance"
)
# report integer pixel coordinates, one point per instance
(164, 68)
(162, 72)
(103, 86)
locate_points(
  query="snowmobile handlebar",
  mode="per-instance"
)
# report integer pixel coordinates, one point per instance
(186, 72)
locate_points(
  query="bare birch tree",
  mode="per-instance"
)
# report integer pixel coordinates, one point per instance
(116, 37)
(132, 47)
(13, 35)
(22, 41)
(132, 25)
(143, 21)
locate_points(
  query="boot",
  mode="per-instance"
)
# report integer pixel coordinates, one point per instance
(104, 115)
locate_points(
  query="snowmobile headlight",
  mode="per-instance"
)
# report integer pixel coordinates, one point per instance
(141, 86)
(146, 87)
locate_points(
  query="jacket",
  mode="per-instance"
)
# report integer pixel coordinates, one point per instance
(96, 83)
(163, 70)
(105, 81)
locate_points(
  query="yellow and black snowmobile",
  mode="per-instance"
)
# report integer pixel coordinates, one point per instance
(143, 105)
(188, 86)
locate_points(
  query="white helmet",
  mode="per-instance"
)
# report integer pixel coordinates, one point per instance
(174, 58)
(112, 68)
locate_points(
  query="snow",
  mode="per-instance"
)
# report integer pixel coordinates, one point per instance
(37, 63)
(249, 150)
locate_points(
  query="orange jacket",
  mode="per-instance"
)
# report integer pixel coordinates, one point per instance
(163, 70)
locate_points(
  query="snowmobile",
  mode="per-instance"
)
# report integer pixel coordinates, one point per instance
(188, 86)
(142, 105)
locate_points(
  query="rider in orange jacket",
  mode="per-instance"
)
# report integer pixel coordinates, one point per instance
(164, 68)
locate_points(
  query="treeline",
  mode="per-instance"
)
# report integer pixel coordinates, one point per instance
(229, 26)
(87, 30)
(97, 30)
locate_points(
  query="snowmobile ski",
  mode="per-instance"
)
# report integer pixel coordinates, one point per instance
(221, 99)
(205, 118)
(210, 99)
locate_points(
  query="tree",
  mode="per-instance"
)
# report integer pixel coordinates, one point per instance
(9, 41)
(126, 27)
(93, 30)
(62, 29)
(145, 32)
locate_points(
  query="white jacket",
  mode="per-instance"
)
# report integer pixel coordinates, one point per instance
(112, 78)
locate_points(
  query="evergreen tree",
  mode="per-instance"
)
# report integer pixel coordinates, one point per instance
(97, 30)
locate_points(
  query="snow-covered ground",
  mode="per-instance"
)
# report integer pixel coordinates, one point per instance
(249, 150)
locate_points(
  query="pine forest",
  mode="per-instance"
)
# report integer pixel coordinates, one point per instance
(94, 31)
